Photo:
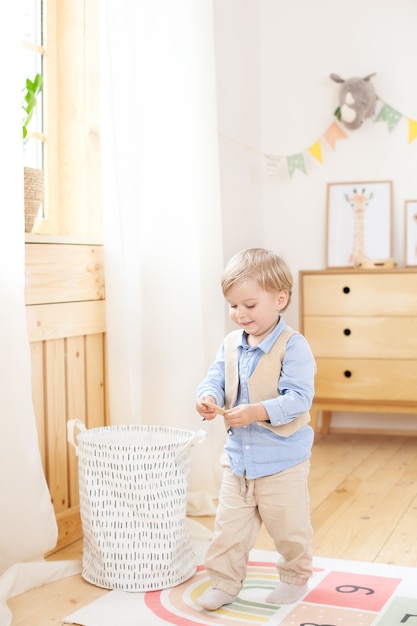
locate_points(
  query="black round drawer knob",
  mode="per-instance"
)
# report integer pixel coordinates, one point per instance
(347, 332)
(346, 289)
(347, 373)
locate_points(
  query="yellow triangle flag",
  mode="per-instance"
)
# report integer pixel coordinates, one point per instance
(412, 130)
(315, 150)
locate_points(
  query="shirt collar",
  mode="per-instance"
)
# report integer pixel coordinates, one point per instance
(266, 343)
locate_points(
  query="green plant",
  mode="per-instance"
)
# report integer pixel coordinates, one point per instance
(31, 90)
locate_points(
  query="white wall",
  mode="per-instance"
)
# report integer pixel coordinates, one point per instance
(239, 87)
(275, 96)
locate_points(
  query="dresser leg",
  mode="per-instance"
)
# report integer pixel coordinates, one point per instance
(326, 416)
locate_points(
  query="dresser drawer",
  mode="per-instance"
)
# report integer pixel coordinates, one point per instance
(367, 379)
(362, 337)
(360, 294)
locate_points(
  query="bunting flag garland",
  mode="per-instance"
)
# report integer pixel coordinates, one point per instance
(272, 162)
(412, 130)
(315, 150)
(390, 116)
(333, 133)
(296, 162)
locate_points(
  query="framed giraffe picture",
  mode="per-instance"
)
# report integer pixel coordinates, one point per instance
(410, 233)
(359, 222)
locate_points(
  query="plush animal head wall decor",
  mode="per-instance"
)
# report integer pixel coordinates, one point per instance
(357, 100)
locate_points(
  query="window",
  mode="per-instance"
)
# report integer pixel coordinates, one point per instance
(60, 40)
(32, 37)
(32, 103)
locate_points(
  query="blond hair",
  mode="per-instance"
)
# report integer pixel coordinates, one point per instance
(268, 269)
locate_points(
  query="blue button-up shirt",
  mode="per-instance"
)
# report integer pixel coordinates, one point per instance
(256, 451)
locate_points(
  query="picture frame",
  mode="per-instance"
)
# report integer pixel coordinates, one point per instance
(359, 222)
(410, 238)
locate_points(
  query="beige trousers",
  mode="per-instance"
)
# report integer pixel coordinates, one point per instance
(281, 501)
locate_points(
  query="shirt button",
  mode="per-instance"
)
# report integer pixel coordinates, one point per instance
(247, 447)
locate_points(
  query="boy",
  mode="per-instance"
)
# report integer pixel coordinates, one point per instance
(264, 377)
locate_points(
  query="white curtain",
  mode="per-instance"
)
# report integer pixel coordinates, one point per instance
(27, 523)
(162, 219)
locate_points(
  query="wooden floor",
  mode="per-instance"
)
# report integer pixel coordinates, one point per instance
(363, 503)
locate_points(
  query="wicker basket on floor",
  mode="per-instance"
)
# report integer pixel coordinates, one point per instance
(33, 186)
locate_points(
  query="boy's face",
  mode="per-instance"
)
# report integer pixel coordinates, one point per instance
(254, 309)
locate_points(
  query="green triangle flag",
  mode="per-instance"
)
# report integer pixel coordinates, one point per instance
(296, 162)
(390, 116)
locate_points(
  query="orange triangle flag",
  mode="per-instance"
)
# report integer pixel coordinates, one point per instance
(412, 130)
(315, 150)
(333, 133)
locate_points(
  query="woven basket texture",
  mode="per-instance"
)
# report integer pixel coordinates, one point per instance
(33, 186)
(133, 487)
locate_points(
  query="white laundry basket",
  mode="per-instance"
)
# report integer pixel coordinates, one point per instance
(133, 482)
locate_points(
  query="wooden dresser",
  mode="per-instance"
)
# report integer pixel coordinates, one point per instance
(362, 328)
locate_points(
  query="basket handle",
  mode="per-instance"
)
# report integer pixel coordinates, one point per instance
(198, 437)
(71, 425)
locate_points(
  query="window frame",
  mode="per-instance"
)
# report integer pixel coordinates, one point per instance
(71, 119)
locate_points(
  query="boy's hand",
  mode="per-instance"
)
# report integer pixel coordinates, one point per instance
(211, 405)
(245, 414)
(206, 407)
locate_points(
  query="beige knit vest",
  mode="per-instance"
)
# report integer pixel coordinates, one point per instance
(263, 383)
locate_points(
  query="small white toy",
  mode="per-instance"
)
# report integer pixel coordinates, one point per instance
(357, 100)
